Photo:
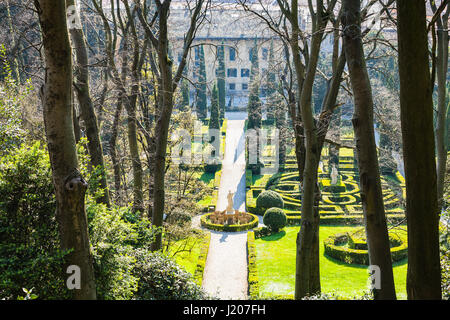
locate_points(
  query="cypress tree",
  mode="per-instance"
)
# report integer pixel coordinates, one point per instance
(254, 103)
(184, 95)
(254, 106)
(221, 80)
(271, 86)
(214, 121)
(202, 108)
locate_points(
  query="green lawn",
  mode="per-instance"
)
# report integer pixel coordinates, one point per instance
(276, 266)
(187, 259)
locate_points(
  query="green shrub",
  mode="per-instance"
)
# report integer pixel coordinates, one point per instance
(253, 283)
(205, 222)
(262, 232)
(112, 239)
(160, 278)
(30, 255)
(268, 199)
(335, 247)
(275, 219)
(273, 180)
(179, 217)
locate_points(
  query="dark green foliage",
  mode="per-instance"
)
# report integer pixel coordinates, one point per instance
(349, 249)
(221, 80)
(202, 107)
(263, 231)
(214, 121)
(11, 95)
(268, 199)
(30, 255)
(179, 217)
(275, 219)
(273, 98)
(184, 95)
(206, 222)
(254, 107)
(160, 278)
(112, 239)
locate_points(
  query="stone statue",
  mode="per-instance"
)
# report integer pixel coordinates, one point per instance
(334, 175)
(230, 209)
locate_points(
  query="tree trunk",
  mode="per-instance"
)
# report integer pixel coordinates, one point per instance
(162, 124)
(307, 280)
(371, 193)
(416, 109)
(87, 108)
(138, 196)
(441, 74)
(113, 150)
(70, 186)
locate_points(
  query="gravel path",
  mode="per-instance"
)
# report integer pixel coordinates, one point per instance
(225, 274)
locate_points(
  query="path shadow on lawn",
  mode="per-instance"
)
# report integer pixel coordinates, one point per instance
(239, 196)
(275, 236)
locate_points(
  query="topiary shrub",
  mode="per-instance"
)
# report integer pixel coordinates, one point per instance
(160, 278)
(275, 219)
(268, 199)
(30, 254)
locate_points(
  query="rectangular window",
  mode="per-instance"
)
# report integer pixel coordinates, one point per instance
(232, 86)
(232, 72)
(245, 73)
(265, 53)
(232, 54)
(245, 86)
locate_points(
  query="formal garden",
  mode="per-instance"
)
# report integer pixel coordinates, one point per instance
(224, 150)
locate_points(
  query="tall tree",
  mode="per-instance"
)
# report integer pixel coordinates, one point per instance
(442, 16)
(371, 193)
(70, 187)
(202, 103)
(82, 88)
(214, 120)
(271, 86)
(416, 110)
(254, 107)
(221, 80)
(167, 82)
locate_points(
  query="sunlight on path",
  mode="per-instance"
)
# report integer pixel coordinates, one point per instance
(225, 274)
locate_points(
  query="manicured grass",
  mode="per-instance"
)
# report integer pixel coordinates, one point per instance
(187, 259)
(276, 266)
(208, 178)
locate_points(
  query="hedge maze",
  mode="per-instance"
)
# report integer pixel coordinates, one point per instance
(351, 248)
(340, 202)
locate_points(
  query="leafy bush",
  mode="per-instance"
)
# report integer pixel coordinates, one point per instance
(30, 255)
(262, 232)
(268, 199)
(275, 219)
(11, 96)
(112, 240)
(179, 217)
(160, 278)
(338, 246)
